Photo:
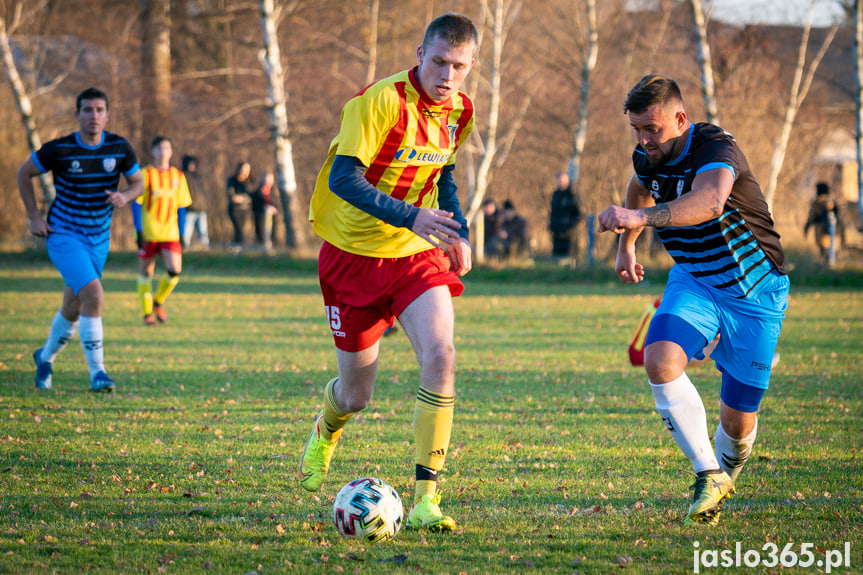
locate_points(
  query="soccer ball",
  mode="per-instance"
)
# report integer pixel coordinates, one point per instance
(368, 508)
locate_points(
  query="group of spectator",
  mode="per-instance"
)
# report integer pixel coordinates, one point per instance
(249, 199)
(507, 233)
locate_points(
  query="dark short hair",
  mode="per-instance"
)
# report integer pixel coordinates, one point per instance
(651, 90)
(457, 29)
(159, 139)
(822, 189)
(189, 160)
(508, 205)
(91, 94)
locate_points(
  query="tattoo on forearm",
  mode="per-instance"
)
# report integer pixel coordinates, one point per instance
(717, 210)
(658, 216)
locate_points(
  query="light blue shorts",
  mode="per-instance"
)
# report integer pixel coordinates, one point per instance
(749, 327)
(80, 259)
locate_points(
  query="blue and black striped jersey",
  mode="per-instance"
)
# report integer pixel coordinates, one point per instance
(734, 251)
(82, 174)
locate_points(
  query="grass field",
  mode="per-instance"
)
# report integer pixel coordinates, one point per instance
(558, 461)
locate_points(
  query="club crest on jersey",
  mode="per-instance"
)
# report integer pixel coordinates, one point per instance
(109, 164)
(679, 188)
(452, 130)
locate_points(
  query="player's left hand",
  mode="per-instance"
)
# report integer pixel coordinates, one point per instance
(436, 226)
(459, 253)
(618, 220)
(116, 199)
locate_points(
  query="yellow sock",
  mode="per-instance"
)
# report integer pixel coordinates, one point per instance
(166, 286)
(145, 293)
(334, 418)
(424, 487)
(433, 416)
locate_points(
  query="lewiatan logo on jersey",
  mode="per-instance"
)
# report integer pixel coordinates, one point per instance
(412, 156)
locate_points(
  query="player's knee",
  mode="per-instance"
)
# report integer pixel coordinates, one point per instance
(660, 369)
(441, 357)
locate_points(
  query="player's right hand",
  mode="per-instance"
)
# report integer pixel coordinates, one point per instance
(628, 270)
(39, 227)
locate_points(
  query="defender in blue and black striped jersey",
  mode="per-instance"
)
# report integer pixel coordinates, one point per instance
(82, 174)
(87, 166)
(694, 185)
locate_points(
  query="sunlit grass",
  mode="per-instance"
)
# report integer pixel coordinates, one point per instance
(558, 462)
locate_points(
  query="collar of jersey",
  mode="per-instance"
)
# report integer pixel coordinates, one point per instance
(85, 146)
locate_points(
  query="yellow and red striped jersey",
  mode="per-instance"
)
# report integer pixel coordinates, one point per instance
(165, 191)
(405, 139)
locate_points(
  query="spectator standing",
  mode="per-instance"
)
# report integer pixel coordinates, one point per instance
(824, 214)
(514, 231)
(86, 166)
(491, 228)
(264, 210)
(196, 214)
(239, 187)
(563, 217)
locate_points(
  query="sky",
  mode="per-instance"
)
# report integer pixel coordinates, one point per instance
(827, 12)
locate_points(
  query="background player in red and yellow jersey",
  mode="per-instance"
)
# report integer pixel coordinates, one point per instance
(159, 216)
(396, 241)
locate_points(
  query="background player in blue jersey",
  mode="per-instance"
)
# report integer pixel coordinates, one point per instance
(694, 185)
(86, 166)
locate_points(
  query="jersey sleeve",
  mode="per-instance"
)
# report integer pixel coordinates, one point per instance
(45, 157)
(717, 152)
(366, 120)
(129, 163)
(184, 198)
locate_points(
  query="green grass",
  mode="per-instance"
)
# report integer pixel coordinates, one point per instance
(558, 462)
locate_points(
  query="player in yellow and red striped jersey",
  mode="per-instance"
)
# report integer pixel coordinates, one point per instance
(159, 216)
(395, 244)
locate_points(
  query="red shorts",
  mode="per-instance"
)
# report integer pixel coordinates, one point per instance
(152, 249)
(363, 295)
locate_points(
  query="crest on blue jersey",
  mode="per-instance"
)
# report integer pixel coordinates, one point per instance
(109, 164)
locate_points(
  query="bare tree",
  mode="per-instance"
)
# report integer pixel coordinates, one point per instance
(270, 57)
(705, 63)
(858, 97)
(797, 94)
(22, 99)
(374, 9)
(155, 69)
(501, 17)
(587, 68)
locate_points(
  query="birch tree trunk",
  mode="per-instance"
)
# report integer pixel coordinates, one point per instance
(374, 9)
(286, 178)
(155, 69)
(501, 16)
(25, 108)
(858, 96)
(799, 90)
(589, 64)
(705, 63)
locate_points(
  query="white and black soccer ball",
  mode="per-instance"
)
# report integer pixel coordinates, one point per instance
(368, 508)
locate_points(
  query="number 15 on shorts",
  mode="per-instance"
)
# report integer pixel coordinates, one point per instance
(333, 316)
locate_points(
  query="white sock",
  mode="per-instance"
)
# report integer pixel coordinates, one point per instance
(62, 330)
(90, 331)
(733, 453)
(683, 413)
